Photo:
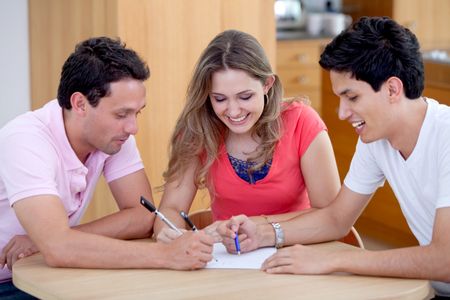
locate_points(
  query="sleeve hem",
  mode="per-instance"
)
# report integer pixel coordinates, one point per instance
(124, 172)
(31, 193)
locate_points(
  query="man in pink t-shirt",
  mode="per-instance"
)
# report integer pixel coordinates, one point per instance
(50, 162)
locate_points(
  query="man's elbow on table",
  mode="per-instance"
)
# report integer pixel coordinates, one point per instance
(54, 258)
(68, 248)
(338, 227)
(56, 254)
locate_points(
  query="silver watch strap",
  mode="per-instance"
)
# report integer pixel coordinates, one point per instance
(279, 235)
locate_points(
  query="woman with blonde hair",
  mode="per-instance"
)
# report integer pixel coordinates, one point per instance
(256, 154)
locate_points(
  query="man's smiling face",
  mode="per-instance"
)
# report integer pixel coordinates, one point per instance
(368, 111)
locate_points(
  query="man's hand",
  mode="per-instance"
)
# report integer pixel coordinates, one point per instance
(300, 259)
(18, 247)
(246, 230)
(192, 250)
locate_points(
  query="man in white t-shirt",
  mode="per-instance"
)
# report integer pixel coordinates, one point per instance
(376, 70)
(51, 159)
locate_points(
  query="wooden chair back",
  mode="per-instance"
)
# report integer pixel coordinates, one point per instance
(201, 218)
(353, 238)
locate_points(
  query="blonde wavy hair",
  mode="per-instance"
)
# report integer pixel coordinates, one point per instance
(199, 133)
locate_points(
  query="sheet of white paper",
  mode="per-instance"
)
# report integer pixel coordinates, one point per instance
(251, 260)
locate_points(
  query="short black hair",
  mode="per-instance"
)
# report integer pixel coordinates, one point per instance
(95, 64)
(374, 49)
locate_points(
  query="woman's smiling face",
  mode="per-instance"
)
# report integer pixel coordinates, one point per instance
(237, 99)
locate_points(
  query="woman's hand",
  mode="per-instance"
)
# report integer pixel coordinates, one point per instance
(246, 230)
(211, 230)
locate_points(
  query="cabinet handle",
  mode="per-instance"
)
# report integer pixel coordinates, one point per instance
(303, 79)
(302, 57)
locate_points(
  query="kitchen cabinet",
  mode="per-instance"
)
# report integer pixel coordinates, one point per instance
(382, 219)
(169, 35)
(437, 81)
(299, 70)
(427, 19)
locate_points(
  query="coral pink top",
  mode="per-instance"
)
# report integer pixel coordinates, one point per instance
(283, 189)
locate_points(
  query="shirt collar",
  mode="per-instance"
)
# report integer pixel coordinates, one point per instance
(71, 161)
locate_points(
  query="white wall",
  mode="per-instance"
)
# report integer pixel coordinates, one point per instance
(14, 59)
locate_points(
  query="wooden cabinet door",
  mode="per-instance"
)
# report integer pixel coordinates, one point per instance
(168, 35)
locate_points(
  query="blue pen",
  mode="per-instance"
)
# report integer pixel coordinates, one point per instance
(236, 243)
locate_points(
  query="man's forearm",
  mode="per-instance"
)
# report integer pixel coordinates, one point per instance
(73, 248)
(85, 250)
(315, 227)
(130, 223)
(424, 262)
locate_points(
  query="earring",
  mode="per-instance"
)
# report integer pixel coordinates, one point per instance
(266, 98)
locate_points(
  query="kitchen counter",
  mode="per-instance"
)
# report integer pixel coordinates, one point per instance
(437, 56)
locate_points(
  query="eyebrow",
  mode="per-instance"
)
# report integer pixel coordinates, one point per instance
(128, 109)
(344, 92)
(240, 93)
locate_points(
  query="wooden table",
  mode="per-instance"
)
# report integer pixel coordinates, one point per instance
(32, 275)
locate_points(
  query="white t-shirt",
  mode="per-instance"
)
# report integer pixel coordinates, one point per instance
(421, 183)
(36, 159)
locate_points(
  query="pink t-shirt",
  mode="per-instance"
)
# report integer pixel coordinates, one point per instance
(283, 189)
(36, 159)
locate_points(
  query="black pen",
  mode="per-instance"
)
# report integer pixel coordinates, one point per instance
(148, 205)
(188, 221)
(191, 224)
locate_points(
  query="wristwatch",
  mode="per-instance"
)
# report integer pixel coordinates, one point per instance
(279, 235)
